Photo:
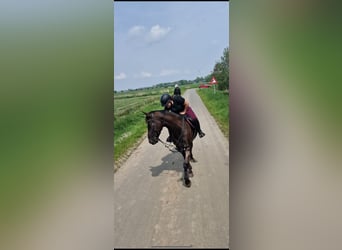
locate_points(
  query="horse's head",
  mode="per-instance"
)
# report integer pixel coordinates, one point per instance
(154, 126)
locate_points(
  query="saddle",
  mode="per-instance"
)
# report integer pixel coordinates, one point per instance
(191, 123)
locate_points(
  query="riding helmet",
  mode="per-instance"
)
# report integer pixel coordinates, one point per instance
(164, 99)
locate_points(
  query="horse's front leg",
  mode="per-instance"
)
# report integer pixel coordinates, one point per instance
(192, 159)
(187, 167)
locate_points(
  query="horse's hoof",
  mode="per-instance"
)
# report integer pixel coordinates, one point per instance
(187, 183)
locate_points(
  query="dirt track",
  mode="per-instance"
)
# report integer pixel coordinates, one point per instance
(152, 207)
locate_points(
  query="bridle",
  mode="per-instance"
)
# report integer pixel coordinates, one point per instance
(152, 124)
(168, 145)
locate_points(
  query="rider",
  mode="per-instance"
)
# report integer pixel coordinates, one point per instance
(179, 105)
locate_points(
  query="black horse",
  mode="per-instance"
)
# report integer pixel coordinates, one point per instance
(181, 132)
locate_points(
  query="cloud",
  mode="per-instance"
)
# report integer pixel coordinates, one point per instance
(120, 76)
(157, 33)
(145, 74)
(167, 72)
(142, 74)
(136, 30)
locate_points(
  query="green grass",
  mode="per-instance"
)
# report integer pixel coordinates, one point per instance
(128, 129)
(218, 105)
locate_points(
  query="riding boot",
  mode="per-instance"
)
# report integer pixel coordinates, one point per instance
(198, 128)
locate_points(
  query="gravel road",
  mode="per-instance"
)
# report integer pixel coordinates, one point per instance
(152, 207)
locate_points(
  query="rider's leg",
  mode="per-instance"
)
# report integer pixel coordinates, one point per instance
(195, 120)
(198, 128)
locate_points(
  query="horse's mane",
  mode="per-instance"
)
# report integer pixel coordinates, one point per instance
(166, 112)
(162, 111)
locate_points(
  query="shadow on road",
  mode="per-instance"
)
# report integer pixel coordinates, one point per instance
(172, 161)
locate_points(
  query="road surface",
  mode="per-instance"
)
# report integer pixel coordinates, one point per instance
(152, 207)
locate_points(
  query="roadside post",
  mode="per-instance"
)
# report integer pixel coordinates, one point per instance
(213, 82)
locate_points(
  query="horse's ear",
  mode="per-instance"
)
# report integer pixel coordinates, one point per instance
(144, 112)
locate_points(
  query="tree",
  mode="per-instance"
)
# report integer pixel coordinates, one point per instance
(208, 78)
(221, 71)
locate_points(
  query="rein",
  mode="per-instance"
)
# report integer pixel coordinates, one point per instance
(168, 146)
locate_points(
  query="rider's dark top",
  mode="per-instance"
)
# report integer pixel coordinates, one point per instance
(178, 104)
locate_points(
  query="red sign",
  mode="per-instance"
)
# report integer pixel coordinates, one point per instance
(213, 81)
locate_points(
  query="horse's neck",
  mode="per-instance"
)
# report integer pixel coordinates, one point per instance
(169, 122)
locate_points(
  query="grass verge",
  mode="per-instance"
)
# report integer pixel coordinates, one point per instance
(218, 105)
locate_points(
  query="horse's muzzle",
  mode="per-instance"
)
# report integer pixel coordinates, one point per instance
(153, 140)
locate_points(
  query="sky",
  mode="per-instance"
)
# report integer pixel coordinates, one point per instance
(158, 42)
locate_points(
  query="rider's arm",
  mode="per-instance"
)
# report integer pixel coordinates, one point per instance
(186, 106)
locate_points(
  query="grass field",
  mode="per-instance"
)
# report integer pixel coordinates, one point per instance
(218, 105)
(129, 121)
